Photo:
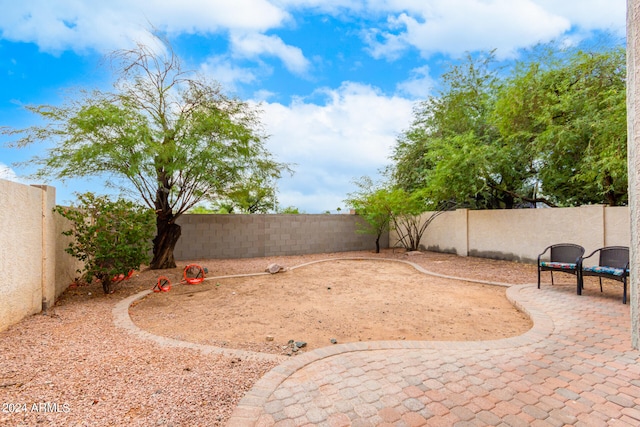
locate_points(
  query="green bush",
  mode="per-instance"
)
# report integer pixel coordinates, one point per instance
(110, 237)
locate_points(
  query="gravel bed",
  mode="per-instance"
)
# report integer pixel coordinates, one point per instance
(72, 366)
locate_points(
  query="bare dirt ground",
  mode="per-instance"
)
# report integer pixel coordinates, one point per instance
(86, 371)
(334, 302)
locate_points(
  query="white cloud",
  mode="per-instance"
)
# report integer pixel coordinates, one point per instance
(591, 14)
(252, 45)
(9, 174)
(447, 26)
(263, 95)
(456, 26)
(318, 201)
(351, 135)
(106, 26)
(355, 127)
(222, 70)
(587, 14)
(79, 25)
(419, 85)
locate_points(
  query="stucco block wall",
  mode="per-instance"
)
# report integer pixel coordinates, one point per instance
(617, 223)
(35, 269)
(66, 266)
(21, 252)
(248, 236)
(521, 234)
(448, 233)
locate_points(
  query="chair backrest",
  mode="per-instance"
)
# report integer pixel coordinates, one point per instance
(566, 252)
(614, 256)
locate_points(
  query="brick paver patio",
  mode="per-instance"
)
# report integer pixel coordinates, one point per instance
(574, 367)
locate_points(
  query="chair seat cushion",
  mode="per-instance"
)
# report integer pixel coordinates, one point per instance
(559, 265)
(605, 270)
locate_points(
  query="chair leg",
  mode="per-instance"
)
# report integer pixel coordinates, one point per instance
(624, 291)
(538, 277)
(600, 283)
(579, 282)
(552, 279)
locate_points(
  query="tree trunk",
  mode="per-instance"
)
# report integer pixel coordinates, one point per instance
(106, 282)
(378, 244)
(609, 195)
(168, 232)
(164, 243)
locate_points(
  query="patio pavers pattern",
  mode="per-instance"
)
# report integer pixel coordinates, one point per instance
(574, 367)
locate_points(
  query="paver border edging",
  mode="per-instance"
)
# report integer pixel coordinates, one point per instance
(249, 408)
(122, 320)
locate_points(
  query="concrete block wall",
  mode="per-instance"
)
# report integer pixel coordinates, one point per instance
(521, 234)
(66, 266)
(34, 268)
(22, 255)
(248, 236)
(449, 233)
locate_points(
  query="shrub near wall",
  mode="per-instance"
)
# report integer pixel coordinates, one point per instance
(248, 236)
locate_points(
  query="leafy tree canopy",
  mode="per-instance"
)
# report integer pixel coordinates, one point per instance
(252, 196)
(383, 207)
(290, 210)
(373, 204)
(171, 134)
(551, 129)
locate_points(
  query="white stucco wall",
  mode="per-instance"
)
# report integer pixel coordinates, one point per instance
(447, 233)
(21, 252)
(522, 234)
(633, 156)
(34, 269)
(617, 226)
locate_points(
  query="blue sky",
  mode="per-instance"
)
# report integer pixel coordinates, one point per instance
(336, 79)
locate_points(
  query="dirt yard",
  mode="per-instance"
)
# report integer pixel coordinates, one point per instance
(74, 354)
(337, 301)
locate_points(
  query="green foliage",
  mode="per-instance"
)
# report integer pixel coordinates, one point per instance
(452, 151)
(571, 111)
(550, 130)
(253, 196)
(413, 213)
(290, 210)
(201, 210)
(172, 136)
(383, 207)
(109, 237)
(373, 204)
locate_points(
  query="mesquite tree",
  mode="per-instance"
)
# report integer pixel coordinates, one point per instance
(171, 135)
(549, 130)
(373, 204)
(383, 207)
